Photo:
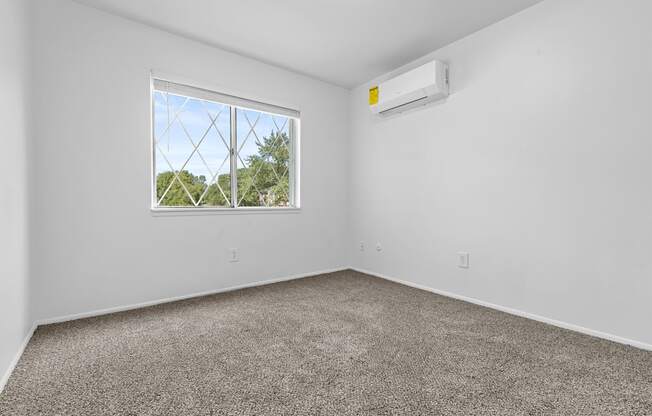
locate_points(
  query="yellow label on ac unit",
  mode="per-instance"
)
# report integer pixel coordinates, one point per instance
(373, 95)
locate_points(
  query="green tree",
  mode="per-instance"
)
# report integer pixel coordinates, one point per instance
(176, 196)
(265, 182)
(216, 197)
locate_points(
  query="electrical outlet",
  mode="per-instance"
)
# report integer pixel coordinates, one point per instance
(463, 260)
(379, 247)
(361, 245)
(234, 256)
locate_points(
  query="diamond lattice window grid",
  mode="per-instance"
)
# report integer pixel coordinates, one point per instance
(212, 150)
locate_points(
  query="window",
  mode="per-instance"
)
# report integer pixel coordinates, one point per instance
(212, 150)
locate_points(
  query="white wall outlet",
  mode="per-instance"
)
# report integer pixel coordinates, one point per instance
(234, 256)
(379, 247)
(463, 260)
(361, 245)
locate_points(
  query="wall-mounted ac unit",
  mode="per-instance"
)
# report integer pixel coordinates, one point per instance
(418, 86)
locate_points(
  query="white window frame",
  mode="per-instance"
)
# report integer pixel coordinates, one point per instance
(189, 89)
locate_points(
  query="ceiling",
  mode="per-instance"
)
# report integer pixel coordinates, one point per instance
(345, 42)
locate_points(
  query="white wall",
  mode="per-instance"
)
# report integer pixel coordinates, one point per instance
(96, 243)
(14, 56)
(539, 165)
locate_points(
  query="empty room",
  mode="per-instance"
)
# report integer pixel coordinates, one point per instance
(363, 207)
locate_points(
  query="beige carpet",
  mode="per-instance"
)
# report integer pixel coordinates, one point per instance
(337, 344)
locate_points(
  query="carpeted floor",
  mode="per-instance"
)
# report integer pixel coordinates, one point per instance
(337, 344)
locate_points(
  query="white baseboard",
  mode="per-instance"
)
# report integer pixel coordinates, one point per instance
(99, 312)
(123, 308)
(14, 362)
(511, 311)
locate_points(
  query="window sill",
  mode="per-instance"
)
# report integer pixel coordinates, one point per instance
(173, 212)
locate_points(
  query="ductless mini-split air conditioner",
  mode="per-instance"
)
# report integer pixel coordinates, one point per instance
(419, 86)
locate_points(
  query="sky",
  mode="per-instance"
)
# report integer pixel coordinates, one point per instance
(194, 115)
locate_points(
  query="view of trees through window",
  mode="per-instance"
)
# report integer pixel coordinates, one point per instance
(192, 145)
